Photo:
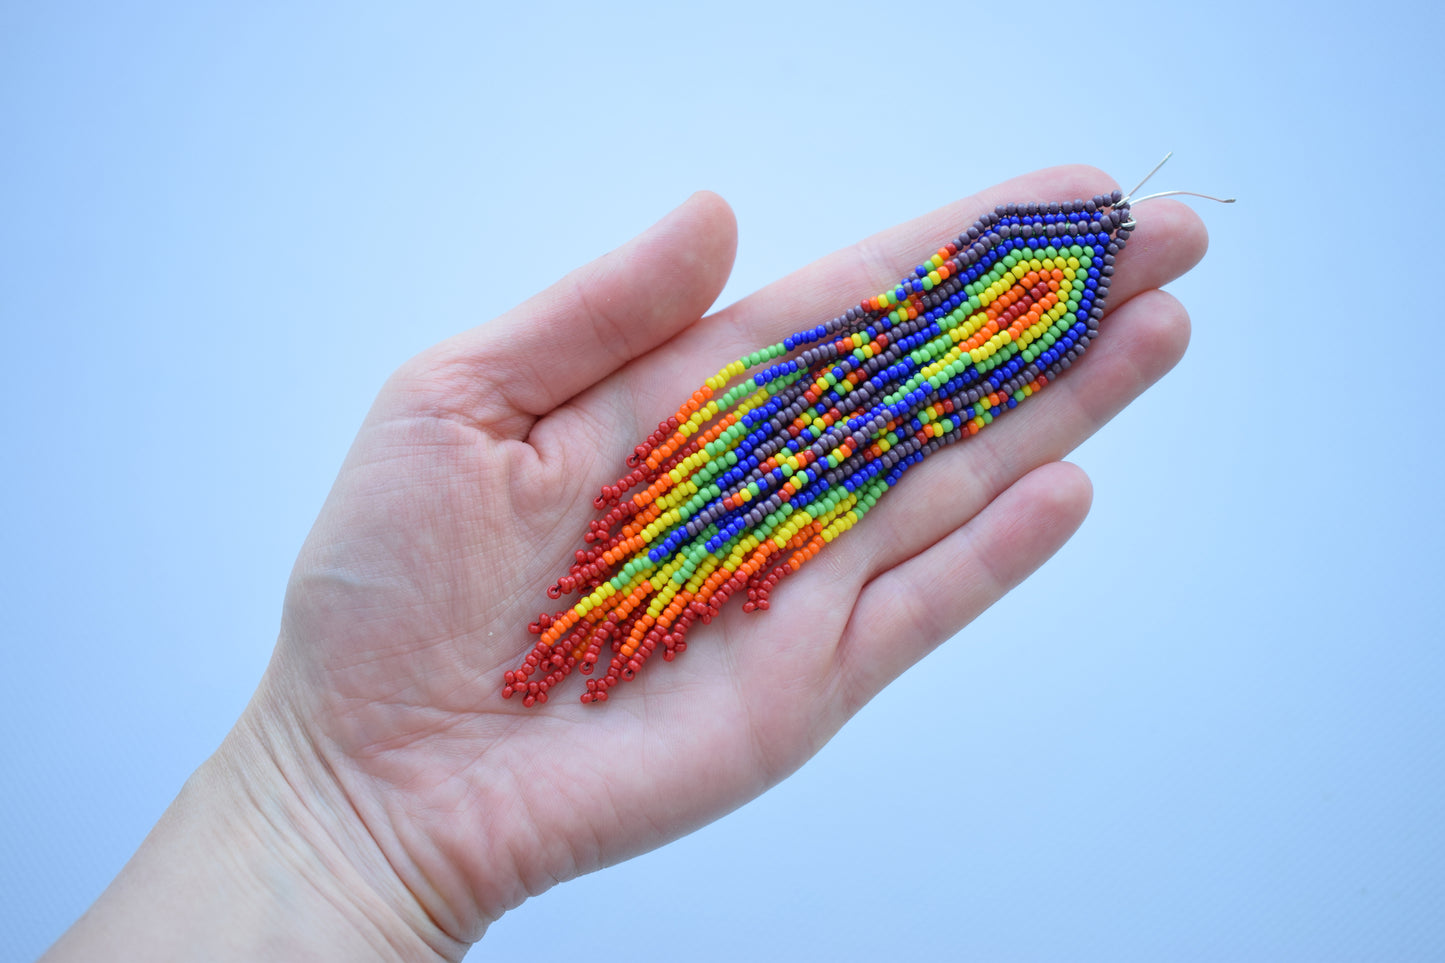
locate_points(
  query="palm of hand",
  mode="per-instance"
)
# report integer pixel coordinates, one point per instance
(408, 694)
(466, 493)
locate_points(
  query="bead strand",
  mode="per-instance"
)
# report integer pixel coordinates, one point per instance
(784, 450)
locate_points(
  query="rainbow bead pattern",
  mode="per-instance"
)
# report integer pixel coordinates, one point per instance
(758, 471)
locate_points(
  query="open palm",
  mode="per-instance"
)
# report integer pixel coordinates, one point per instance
(470, 484)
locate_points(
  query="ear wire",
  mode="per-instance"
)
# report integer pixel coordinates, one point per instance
(1129, 195)
(1129, 199)
(1207, 197)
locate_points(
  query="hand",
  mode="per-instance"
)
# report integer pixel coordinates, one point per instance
(468, 488)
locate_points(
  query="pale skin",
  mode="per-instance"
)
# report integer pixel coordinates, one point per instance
(379, 799)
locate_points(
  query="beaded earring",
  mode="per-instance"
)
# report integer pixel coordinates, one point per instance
(754, 475)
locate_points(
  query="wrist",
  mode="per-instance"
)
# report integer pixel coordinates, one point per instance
(299, 838)
(259, 857)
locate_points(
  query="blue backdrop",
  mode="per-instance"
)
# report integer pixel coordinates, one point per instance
(221, 229)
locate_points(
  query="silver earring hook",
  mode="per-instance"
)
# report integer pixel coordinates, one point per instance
(1126, 197)
(1130, 200)
(1207, 197)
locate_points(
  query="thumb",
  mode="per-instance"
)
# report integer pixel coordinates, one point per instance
(511, 371)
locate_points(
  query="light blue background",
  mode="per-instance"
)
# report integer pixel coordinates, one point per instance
(219, 231)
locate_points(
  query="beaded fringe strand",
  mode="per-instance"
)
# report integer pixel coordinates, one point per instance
(755, 474)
